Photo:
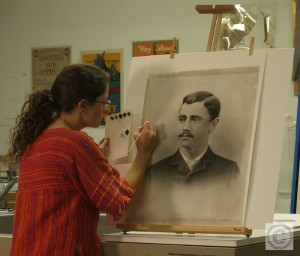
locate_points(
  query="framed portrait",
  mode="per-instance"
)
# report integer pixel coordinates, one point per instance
(245, 88)
(111, 62)
(219, 180)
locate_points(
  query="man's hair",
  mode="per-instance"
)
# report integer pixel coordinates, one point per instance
(211, 102)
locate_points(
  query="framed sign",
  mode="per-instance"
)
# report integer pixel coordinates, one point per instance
(111, 62)
(147, 48)
(46, 64)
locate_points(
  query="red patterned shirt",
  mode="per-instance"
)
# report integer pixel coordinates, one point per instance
(64, 182)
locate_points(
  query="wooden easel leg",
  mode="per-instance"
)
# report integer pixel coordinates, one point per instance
(214, 32)
(217, 31)
(211, 33)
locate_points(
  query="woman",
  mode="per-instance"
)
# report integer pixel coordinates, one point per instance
(64, 178)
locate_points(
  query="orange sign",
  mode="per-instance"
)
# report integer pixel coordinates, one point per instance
(153, 48)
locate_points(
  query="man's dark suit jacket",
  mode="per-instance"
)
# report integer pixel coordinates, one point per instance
(172, 193)
(210, 167)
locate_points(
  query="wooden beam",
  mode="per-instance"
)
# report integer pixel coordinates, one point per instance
(216, 9)
(185, 229)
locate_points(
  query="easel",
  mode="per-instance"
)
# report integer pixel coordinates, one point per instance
(218, 11)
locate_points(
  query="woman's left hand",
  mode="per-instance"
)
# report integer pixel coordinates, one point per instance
(103, 144)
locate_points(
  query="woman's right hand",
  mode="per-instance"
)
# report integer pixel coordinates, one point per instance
(145, 141)
(145, 138)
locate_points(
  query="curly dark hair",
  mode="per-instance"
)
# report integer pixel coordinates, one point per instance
(73, 83)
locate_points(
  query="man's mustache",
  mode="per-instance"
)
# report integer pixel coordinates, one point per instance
(185, 134)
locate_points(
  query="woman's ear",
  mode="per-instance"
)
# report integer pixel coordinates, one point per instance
(82, 104)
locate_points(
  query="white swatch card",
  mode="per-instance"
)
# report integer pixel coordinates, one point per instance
(117, 128)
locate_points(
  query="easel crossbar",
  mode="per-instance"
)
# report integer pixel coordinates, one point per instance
(186, 229)
(216, 9)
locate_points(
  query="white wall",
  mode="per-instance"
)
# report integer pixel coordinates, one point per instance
(113, 24)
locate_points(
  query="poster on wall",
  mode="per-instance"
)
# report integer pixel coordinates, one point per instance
(111, 62)
(47, 63)
(147, 48)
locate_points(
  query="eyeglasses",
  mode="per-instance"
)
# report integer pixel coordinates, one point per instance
(106, 102)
